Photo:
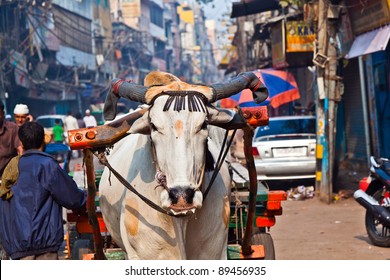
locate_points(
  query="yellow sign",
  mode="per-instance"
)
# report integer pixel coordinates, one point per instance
(300, 36)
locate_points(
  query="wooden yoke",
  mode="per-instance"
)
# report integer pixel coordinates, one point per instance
(108, 134)
(103, 135)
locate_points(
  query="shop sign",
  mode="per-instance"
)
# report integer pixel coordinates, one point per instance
(368, 15)
(300, 36)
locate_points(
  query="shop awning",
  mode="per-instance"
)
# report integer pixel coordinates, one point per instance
(370, 42)
(250, 7)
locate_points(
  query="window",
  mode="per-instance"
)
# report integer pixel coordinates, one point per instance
(156, 15)
(283, 126)
(159, 49)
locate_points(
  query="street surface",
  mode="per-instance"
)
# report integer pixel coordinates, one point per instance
(313, 230)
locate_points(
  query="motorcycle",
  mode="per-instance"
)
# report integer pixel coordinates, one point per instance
(374, 195)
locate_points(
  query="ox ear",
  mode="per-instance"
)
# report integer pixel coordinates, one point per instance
(220, 116)
(227, 119)
(141, 125)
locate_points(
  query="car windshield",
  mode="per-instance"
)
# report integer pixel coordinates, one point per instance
(283, 127)
(48, 122)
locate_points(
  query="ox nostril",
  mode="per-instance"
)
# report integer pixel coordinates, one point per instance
(174, 194)
(189, 195)
(178, 194)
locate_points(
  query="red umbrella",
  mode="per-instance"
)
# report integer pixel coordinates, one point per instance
(281, 86)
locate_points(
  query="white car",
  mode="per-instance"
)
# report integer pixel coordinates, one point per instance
(285, 148)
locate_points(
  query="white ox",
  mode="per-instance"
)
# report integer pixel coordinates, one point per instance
(171, 142)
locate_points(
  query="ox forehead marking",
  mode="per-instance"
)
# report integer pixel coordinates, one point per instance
(179, 128)
(131, 216)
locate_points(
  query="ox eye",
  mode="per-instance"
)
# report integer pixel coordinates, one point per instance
(204, 125)
(153, 127)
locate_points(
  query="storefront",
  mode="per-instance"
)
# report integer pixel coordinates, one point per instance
(367, 121)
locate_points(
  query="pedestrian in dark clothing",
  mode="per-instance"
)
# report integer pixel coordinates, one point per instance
(9, 147)
(9, 141)
(31, 224)
(80, 120)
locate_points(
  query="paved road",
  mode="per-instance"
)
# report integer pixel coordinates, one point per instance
(313, 230)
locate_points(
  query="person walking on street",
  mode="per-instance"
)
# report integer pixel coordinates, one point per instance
(58, 132)
(31, 223)
(21, 114)
(70, 122)
(10, 145)
(80, 120)
(89, 120)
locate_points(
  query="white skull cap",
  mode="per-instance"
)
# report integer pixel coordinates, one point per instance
(21, 109)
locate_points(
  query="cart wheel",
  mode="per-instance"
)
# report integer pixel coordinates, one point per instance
(265, 239)
(79, 244)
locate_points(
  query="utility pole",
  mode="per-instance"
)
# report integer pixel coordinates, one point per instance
(329, 93)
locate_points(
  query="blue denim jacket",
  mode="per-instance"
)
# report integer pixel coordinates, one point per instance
(31, 221)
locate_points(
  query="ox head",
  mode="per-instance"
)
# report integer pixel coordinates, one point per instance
(177, 122)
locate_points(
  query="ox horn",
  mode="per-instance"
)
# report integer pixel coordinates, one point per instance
(239, 83)
(120, 88)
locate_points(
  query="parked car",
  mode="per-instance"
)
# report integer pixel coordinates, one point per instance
(285, 148)
(48, 121)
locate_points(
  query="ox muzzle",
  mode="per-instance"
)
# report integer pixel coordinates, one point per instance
(181, 200)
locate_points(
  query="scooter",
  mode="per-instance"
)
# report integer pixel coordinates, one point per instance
(374, 195)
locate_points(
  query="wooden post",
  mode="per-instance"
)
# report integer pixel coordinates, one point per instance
(250, 163)
(91, 208)
(327, 100)
(322, 152)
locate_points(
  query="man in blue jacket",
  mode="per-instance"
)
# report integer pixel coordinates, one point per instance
(31, 224)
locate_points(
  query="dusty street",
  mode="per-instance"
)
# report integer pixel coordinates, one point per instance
(313, 230)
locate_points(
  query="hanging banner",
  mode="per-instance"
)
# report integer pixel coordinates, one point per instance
(278, 46)
(300, 36)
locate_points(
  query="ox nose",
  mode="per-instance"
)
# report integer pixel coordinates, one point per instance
(182, 196)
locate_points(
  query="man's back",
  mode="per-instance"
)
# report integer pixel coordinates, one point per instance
(90, 121)
(33, 216)
(58, 132)
(71, 123)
